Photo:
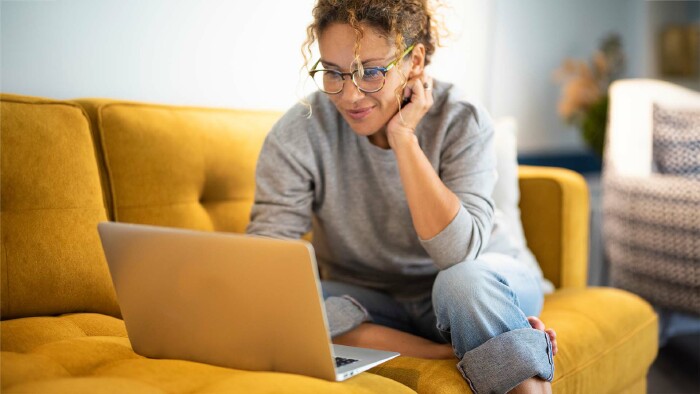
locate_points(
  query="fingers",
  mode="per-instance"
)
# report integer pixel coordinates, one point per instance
(420, 91)
(407, 91)
(427, 84)
(423, 87)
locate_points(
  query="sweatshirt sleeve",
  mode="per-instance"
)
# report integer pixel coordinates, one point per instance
(468, 168)
(284, 189)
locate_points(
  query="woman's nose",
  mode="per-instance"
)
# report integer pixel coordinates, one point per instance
(351, 93)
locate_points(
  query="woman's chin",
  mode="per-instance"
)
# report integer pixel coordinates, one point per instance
(364, 129)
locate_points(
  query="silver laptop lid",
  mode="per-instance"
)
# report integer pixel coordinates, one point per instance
(232, 300)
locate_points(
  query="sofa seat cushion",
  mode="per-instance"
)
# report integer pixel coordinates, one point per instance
(606, 337)
(91, 353)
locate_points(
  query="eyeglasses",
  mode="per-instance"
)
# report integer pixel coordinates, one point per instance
(372, 78)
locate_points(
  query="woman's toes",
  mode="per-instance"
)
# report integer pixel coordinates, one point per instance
(536, 323)
(553, 339)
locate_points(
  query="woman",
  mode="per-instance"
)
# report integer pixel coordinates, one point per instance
(394, 174)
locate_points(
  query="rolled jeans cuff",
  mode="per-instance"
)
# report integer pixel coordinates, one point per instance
(503, 362)
(344, 314)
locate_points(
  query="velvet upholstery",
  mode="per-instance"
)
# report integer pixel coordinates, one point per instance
(555, 213)
(179, 166)
(52, 262)
(600, 348)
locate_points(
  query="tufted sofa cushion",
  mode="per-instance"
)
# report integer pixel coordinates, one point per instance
(52, 262)
(91, 353)
(179, 166)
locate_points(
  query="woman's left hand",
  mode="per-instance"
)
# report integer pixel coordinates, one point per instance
(402, 126)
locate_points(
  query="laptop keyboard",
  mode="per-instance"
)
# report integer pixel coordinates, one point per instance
(339, 361)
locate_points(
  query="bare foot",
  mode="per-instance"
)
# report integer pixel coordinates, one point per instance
(375, 336)
(532, 386)
(537, 324)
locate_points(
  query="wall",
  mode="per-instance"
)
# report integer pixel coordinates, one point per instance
(247, 54)
(208, 52)
(532, 39)
(658, 15)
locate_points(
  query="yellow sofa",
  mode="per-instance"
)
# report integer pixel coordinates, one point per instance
(67, 165)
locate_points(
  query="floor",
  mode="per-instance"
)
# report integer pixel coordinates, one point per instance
(676, 369)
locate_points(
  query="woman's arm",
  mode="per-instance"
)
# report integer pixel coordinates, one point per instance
(433, 206)
(452, 212)
(284, 189)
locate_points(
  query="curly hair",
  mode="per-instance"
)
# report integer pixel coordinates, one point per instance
(407, 22)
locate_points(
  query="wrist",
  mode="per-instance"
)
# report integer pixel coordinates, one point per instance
(402, 140)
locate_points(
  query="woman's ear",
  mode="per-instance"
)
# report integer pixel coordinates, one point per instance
(417, 61)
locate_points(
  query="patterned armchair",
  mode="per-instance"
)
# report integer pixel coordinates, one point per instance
(651, 193)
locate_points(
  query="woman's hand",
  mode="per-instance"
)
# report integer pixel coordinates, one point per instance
(402, 126)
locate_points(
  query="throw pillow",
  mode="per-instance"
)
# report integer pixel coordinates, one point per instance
(677, 141)
(506, 195)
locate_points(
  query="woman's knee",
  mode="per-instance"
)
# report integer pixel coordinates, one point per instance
(468, 278)
(470, 285)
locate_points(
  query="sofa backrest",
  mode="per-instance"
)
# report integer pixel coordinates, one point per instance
(179, 166)
(52, 200)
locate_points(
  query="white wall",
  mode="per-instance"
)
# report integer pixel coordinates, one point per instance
(465, 57)
(208, 52)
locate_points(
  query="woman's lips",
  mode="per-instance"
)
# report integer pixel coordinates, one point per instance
(361, 113)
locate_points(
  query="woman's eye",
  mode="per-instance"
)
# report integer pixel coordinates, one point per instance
(332, 75)
(372, 73)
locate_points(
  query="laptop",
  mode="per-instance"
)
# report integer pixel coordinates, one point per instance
(233, 300)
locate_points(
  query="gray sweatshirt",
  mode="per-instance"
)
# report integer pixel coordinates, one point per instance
(316, 173)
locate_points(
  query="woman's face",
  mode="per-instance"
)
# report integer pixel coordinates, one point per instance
(366, 113)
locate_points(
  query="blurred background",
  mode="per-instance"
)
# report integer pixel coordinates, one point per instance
(544, 63)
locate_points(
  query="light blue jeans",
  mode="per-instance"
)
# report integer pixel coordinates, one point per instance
(480, 307)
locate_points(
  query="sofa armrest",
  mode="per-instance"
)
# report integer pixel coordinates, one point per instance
(555, 214)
